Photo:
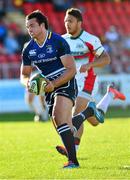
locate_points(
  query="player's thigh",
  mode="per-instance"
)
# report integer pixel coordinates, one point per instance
(80, 105)
(62, 110)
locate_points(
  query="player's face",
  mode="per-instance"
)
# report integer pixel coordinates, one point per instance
(72, 25)
(34, 29)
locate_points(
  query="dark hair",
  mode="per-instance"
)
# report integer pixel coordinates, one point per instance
(76, 13)
(40, 17)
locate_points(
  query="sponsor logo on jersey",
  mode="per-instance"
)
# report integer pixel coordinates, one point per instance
(42, 55)
(77, 53)
(44, 60)
(49, 49)
(80, 46)
(32, 52)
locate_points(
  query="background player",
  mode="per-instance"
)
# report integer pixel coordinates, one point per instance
(89, 54)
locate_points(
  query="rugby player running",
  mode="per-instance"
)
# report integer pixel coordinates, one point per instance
(50, 53)
(88, 53)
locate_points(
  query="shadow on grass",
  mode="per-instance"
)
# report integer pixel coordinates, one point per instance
(83, 158)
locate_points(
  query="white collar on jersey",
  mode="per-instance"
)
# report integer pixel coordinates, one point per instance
(44, 41)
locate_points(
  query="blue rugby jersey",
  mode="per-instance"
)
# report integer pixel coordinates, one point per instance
(47, 56)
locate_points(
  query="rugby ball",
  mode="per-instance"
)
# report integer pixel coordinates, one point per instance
(37, 83)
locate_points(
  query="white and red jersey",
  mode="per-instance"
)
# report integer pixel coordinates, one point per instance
(85, 48)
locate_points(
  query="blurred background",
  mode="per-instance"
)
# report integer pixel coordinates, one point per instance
(109, 20)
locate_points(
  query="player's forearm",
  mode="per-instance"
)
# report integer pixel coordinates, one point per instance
(64, 78)
(25, 72)
(102, 61)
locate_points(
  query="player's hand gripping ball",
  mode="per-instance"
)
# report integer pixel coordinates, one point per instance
(37, 83)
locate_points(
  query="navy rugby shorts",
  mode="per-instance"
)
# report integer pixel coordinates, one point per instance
(69, 90)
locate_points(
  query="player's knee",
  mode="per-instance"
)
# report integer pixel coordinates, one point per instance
(54, 117)
(58, 118)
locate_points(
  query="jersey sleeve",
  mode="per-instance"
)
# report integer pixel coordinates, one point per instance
(63, 47)
(26, 61)
(97, 46)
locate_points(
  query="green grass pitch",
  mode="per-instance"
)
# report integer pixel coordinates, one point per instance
(27, 149)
